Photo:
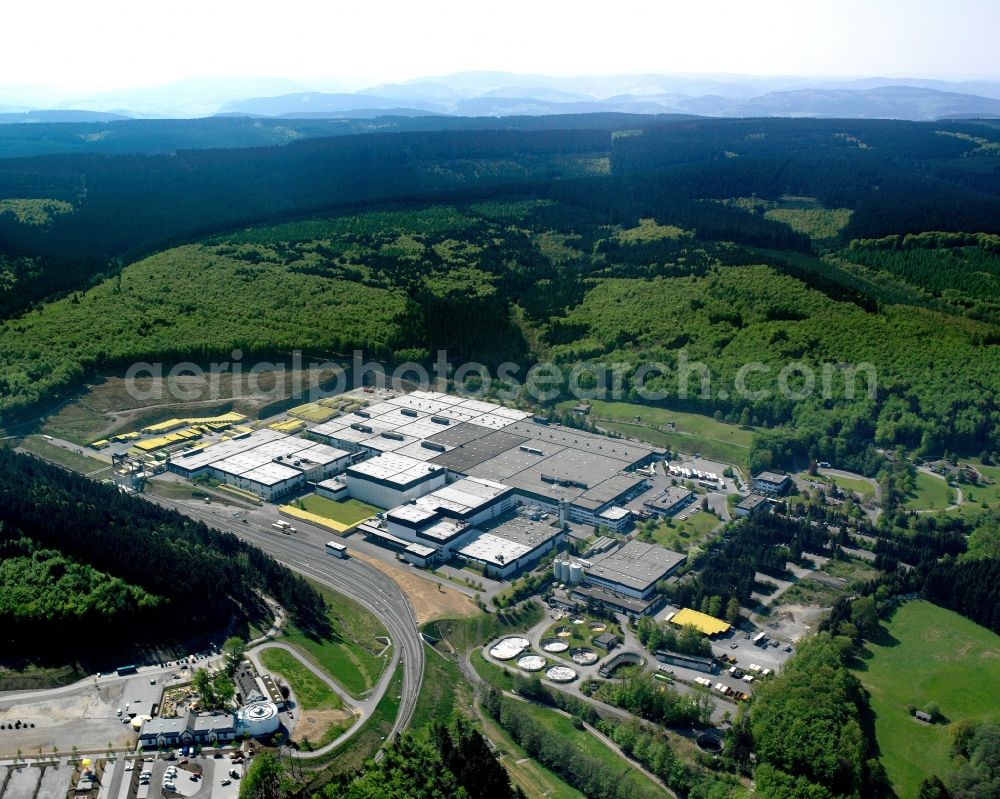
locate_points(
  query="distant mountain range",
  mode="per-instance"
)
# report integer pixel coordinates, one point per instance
(495, 94)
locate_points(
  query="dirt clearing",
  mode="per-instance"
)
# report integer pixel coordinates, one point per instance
(431, 601)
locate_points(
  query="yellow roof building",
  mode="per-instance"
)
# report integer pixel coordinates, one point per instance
(702, 622)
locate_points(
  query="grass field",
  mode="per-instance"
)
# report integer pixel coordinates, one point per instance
(928, 654)
(442, 692)
(977, 498)
(534, 779)
(352, 754)
(682, 535)
(64, 457)
(348, 512)
(310, 692)
(932, 493)
(693, 433)
(348, 655)
(560, 726)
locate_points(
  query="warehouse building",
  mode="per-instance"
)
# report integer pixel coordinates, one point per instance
(670, 502)
(634, 569)
(510, 546)
(392, 479)
(268, 463)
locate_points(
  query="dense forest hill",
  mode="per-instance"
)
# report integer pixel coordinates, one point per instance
(717, 241)
(896, 178)
(523, 281)
(78, 555)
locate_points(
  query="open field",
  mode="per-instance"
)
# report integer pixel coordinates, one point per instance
(443, 691)
(534, 779)
(310, 691)
(352, 754)
(321, 713)
(64, 457)
(928, 654)
(681, 535)
(855, 485)
(977, 498)
(348, 654)
(932, 493)
(693, 432)
(348, 512)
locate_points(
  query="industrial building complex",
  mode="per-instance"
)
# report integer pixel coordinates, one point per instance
(462, 478)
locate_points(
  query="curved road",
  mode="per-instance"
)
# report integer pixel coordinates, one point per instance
(364, 584)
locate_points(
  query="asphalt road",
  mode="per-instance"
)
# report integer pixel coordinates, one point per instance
(364, 584)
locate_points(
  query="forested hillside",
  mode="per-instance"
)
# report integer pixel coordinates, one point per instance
(78, 554)
(530, 280)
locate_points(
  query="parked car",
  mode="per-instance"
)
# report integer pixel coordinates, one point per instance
(226, 781)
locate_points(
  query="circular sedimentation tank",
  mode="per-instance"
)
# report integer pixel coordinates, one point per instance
(532, 663)
(509, 648)
(597, 627)
(561, 674)
(564, 632)
(583, 656)
(554, 645)
(709, 742)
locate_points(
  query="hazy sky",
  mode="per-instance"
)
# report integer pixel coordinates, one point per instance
(107, 44)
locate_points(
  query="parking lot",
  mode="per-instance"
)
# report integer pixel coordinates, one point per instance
(85, 714)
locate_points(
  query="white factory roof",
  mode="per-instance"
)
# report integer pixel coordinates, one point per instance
(321, 453)
(494, 549)
(444, 530)
(463, 496)
(271, 474)
(393, 468)
(224, 449)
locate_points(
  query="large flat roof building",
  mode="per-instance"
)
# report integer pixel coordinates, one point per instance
(634, 569)
(510, 545)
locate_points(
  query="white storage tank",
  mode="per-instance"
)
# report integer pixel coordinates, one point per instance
(259, 718)
(575, 573)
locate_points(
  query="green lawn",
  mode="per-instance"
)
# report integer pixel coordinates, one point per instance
(534, 779)
(348, 654)
(928, 654)
(441, 692)
(586, 744)
(932, 493)
(562, 727)
(582, 635)
(978, 498)
(64, 457)
(352, 754)
(693, 432)
(348, 511)
(680, 536)
(310, 692)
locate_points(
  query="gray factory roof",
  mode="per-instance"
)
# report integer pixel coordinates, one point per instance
(636, 565)
(476, 450)
(506, 542)
(771, 477)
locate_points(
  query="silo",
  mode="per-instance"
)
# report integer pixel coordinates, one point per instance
(575, 573)
(557, 570)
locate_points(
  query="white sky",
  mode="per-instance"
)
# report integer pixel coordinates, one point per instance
(108, 44)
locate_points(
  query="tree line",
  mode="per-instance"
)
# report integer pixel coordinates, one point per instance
(179, 569)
